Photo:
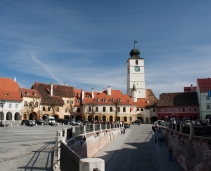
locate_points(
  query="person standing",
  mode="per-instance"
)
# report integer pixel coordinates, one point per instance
(170, 150)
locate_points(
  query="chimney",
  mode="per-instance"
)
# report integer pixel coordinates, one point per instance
(15, 79)
(82, 97)
(51, 89)
(92, 92)
(109, 90)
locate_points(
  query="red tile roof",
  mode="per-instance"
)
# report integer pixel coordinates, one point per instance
(115, 94)
(9, 90)
(30, 93)
(59, 91)
(204, 84)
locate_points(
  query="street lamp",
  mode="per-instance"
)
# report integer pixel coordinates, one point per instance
(2, 105)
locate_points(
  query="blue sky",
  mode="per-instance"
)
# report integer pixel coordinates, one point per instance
(86, 43)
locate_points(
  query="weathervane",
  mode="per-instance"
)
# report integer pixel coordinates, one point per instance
(135, 44)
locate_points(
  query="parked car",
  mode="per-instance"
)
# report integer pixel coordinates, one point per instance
(187, 122)
(29, 123)
(40, 122)
(86, 123)
(66, 122)
(78, 122)
(138, 121)
(160, 122)
(126, 125)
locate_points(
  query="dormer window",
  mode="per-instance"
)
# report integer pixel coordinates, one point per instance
(96, 99)
(78, 101)
(88, 96)
(27, 93)
(119, 100)
(112, 100)
(104, 99)
(34, 93)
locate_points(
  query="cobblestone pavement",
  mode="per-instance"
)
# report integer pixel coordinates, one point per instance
(136, 150)
(24, 148)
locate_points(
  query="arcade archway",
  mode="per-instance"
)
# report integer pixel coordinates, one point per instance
(45, 116)
(9, 116)
(153, 119)
(56, 117)
(17, 116)
(104, 118)
(33, 116)
(96, 118)
(111, 119)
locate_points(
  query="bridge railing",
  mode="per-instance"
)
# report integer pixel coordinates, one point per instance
(201, 130)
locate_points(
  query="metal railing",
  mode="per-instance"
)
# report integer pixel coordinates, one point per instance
(68, 160)
(200, 130)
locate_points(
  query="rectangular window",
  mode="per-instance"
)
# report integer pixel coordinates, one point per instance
(90, 109)
(162, 110)
(25, 103)
(137, 109)
(43, 108)
(208, 106)
(124, 109)
(10, 105)
(78, 110)
(57, 109)
(136, 62)
(67, 101)
(142, 109)
(49, 108)
(153, 109)
(118, 109)
(96, 109)
(16, 106)
(104, 109)
(183, 109)
(169, 109)
(195, 109)
(189, 109)
(111, 109)
(65, 110)
(176, 109)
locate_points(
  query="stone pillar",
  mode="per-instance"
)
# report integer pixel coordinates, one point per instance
(65, 133)
(110, 126)
(56, 160)
(93, 127)
(89, 164)
(100, 126)
(84, 131)
(180, 128)
(73, 129)
(191, 130)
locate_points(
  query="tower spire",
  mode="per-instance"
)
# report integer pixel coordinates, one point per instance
(135, 44)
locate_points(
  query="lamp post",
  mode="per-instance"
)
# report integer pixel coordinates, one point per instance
(2, 105)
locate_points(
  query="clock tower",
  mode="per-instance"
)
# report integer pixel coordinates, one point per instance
(135, 74)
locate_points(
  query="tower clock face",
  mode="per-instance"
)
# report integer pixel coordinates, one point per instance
(137, 68)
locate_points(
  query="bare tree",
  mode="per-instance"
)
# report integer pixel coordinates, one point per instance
(30, 107)
(91, 110)
(117, 108)
(70, 108)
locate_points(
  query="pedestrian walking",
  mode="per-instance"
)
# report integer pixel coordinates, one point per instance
(170, 150)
